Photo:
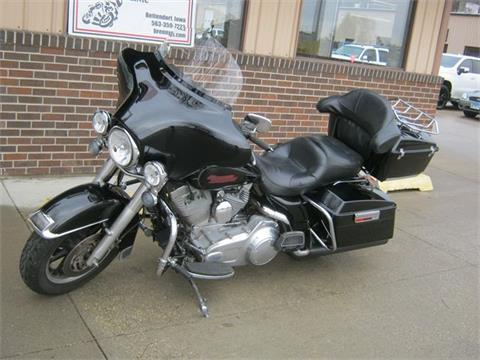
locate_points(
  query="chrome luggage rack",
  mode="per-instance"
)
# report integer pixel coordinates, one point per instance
(413, 119)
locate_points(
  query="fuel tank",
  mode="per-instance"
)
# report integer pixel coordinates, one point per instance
(173, 121)
(216, 177)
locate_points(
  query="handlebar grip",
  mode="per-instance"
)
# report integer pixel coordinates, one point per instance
(260, 143)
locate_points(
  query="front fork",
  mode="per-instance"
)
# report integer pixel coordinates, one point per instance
(126, 216)
(105, 173)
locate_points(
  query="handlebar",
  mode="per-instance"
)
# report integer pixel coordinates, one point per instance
(259, 142)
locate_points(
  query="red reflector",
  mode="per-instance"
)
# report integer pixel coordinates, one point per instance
(365, 216)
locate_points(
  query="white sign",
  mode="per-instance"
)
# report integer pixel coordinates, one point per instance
(153, 21)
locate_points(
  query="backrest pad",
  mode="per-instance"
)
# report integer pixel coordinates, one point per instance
(362, 120)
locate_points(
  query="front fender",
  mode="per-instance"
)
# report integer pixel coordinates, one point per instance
(82, 207)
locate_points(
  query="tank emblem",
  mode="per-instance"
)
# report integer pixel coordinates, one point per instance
(222, 179)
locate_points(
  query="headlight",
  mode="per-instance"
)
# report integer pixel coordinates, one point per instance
(154, 173)
(465, 96)
(101, 121)
(122, 148)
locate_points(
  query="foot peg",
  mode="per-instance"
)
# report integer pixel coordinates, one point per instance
(291, 240)
(209, 271)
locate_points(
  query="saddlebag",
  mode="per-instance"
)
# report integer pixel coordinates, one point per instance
(361, 216)
(410, 156)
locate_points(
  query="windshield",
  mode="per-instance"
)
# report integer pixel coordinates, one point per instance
(349, 50)
(210, 67)
(449, 61)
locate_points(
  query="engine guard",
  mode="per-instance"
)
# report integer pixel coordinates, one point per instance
(82, 207)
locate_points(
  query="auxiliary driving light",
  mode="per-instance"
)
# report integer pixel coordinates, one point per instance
(154, 173)
(101, 121)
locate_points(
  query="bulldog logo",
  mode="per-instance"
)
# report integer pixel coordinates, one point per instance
(102, 13)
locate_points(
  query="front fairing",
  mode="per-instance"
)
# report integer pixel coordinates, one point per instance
(174, 122)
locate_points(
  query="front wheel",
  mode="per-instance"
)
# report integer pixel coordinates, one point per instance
(443, 97)
(57, 266)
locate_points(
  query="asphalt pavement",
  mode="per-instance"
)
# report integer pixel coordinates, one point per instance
(415, 297)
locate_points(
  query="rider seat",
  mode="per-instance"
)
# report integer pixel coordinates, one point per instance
(305, 163)
(362, 125)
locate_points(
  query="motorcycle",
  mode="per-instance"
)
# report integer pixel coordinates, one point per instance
(202, 193)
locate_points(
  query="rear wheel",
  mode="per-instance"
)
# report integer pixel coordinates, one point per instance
(443, 97)
(57, 266)
(469, 114)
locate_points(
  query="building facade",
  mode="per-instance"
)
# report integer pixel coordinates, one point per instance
(463, 36)
(291, 52)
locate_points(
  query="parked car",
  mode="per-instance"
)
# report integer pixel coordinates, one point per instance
(461, 75)
(470, 104)
(362, 53)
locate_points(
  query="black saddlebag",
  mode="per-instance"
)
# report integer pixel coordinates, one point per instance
(410, 156)
(361, 216)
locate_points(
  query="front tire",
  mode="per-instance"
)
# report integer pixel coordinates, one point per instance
(443, 97)
(57, 266)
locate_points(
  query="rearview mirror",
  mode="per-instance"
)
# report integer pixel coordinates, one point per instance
(164, 49)
(258, 123)
(463, 69)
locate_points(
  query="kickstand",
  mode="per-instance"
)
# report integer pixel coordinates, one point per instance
(202, 304)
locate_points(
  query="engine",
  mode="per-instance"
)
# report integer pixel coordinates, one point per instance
(220, 231)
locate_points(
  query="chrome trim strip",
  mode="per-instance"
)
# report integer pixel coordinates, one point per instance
(368, 215)
(329, 218)
(209, 277)
(352, 181)
(47, 234)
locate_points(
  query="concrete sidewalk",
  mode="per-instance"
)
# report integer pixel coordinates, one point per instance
(416, 297)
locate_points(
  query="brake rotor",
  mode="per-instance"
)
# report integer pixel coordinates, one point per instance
(75, 263)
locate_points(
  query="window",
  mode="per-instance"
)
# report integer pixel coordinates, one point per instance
(476, 67)
(383, 56)
(471, 51)
(221, 19)
(449, 61)
(370, 55)
(343, 29)
(466, 64)
(466, 6)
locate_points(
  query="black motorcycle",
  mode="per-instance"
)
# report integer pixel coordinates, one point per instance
(201, 193)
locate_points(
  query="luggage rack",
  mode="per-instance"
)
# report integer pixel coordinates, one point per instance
(413, 119)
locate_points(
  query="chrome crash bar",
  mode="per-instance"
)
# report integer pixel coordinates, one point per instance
(331, 231)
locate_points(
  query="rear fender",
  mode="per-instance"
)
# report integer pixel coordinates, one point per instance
(82, 207)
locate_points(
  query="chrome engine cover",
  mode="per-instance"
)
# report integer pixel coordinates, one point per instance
(199, 207)
(238, 243)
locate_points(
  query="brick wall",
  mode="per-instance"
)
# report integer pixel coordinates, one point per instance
(51, 84)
